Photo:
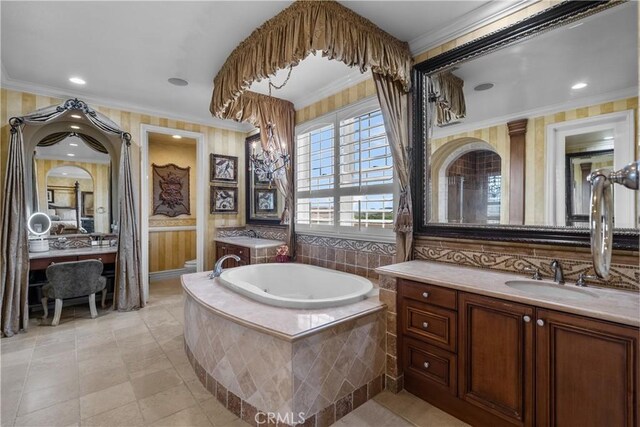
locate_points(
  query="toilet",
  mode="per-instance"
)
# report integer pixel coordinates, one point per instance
(191, 266)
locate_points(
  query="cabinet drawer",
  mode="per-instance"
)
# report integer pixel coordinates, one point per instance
(432, 324)
(43, 263)
(430, 364)
(428, 293)
(105, 258)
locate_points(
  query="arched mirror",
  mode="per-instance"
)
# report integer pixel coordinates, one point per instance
(72, 183)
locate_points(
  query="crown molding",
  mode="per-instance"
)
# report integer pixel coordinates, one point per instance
(21, 86)
(467, 23)
(351, 79)
(536, 112)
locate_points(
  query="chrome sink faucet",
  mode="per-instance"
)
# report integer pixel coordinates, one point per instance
(217, 270)
(558, 274)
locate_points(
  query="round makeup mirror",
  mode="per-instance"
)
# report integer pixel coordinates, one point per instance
(39, 224)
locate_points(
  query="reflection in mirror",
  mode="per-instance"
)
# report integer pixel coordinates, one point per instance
(512, 134)
(585, 153)
(72, 185)
(263, 200)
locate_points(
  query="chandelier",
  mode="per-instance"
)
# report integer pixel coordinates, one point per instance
(268, 164)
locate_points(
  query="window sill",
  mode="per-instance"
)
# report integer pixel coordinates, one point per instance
(378, 238)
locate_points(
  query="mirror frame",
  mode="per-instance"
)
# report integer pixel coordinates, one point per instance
(248, 188)
(548, 19)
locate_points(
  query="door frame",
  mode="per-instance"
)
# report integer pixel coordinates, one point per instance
(201, 180)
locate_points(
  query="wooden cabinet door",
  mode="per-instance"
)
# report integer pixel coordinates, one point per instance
(586, 372)
(496, 357)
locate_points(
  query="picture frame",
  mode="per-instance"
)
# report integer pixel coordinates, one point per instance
(223, 168)
(87, 204)
(51, 196)
(266, 200)
(223, 200)
(171, 190)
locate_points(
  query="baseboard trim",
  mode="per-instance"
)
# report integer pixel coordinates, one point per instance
(168, 274)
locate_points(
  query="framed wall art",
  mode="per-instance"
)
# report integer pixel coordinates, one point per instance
(223, 200)
(171, 190)
(266, 200)
(223, 168)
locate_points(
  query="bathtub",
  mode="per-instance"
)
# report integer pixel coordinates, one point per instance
(297, 285)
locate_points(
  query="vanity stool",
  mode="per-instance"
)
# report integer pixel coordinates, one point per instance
(71, 280)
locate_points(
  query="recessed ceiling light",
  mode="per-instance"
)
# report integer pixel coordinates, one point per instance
(580, 85)
(64, 173)
(74, 127)
(76, 116)
(608, 137)
(177, 137)
(483, 86)
(178, 81)
(77, 80)
(73, 144)
(70, 154)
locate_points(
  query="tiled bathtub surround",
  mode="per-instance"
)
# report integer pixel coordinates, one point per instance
(514, 257)
(351, 256)
(324, 375)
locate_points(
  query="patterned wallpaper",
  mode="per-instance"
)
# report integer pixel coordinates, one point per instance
(220, 141)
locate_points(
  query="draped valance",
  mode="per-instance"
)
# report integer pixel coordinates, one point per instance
(447, 96)
(56, 137)
(303, 28)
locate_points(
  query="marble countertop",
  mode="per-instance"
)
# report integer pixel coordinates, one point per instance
(250, 242)
(284, 323)
(74, 252)
(606, 304)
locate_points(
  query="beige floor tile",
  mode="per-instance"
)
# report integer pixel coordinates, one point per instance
(177, 357)
(128, 415)
(16, 358)
(100, 363)
(145, 351)
(235, 423)
(9, 401)
(155, 382)
(373, 414)
(175, 343)
(12, 378)
(397, 402)
(104, 400)
(142, 367)
(193, 417)
(63, 414)
(64, 336)
(217, 414)
(97, 351)
(186, 372)
(166, 403)
(198, 391)
(100, 380)
(45, 397)
(48, 378)
(10, 345)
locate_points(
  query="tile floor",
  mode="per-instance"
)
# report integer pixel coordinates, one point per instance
(130, 369)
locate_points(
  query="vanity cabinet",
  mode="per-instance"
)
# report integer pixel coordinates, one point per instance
(493, 362)
(228, 249)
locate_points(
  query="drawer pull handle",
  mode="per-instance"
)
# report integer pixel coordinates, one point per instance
(425, 325)
(425, 295)
(99, 259)
(527, 319)
(540, 322)
(426, 365)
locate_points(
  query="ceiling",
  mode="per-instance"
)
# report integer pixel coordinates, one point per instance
(535, 77)
(126, 51)
(69, 172)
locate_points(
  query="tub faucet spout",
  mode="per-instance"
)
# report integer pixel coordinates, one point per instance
(217, 270)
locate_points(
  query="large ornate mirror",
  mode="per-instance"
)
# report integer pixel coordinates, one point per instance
(508, 127)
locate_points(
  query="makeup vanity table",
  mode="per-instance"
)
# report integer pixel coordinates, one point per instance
(39, 261)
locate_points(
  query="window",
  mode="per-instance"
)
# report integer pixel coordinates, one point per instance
(345, 173)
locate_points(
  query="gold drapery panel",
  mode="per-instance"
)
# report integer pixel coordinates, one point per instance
(259, 110)
(303, 28)
(446, 93)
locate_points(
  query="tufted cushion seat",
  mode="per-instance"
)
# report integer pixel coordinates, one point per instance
(73, 279)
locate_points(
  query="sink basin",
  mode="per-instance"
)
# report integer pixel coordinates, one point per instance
(549, 290)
